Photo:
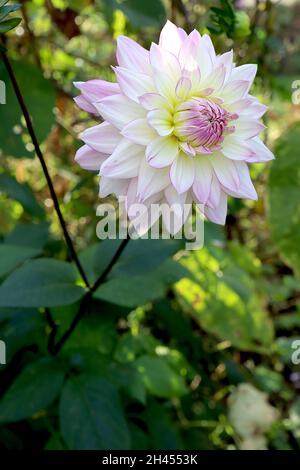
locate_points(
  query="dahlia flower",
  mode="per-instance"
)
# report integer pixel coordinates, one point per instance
(179, 124)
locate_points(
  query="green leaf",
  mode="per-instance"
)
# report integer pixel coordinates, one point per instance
(130, 292)
(159, 378)
(12, 256)
(3, 2)
(21, 193)
(4, 11)
(223, 299)
(39, 94)
(7, 25)
(41, 283)
(91, 416)
(29, 235)
(284, 185)
(140, 14)
(34, 389)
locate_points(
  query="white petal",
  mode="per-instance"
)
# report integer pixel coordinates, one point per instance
(261, 153)
(124, 161)
(112, 186)
(244, 72)
(133, 56)
(119, 110)
(236, 149)
(183, 87)
(246, 187)
(203, 179)
(161, 120)
(215, 192)
(151, 181)
(226, 60)
(134, 84)
(246, 127)
(152, 101)
(162, 151)
(171, 38)
(234, 90)
(177, 213)
(218, 214)
(225, 171)
(215, 79)
(89, 159)
(167, 71)
(104, 137)
(182, 173)
(139, 132)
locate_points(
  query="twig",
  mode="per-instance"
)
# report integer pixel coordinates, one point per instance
(44, 166)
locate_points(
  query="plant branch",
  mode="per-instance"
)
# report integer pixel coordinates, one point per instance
(44, 166)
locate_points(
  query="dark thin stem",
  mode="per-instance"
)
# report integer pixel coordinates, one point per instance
(44, 166)
(84, 305)
(110, 265)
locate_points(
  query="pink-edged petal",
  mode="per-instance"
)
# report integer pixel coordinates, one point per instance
(119, 110)
(225, 171)
(246, 187)
(84, 104)
(89, 159)
(94, 90)
(236, 149)
(103, 137)
(226, 60)
(182, 173)
(239, 106)
(132, 56)
(218, 214)
(234, 90)
(215, 193)
(255, 109)
(260, 153)
(215, 79)
(204, 56)
(171, 38)
(124, 161)
(139, 132)
(162, 151)
(187, 58)
(161, 121)
(178, 210)
(134, 84)
(246, 127)
(161, 59)
(203, 179)
(152, 101)
(112, 186)
(183, 88)
(151, 181)
(244, 72)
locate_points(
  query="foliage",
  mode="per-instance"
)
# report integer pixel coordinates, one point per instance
(160, 345)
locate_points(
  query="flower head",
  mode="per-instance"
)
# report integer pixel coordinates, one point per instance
(179, 124)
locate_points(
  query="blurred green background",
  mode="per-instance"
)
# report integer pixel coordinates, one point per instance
(177, 350)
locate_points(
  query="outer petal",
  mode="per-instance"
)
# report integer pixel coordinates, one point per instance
(167, 71)
(246, 188)
(182, 173)
(124, 161)
(139, 132)
(95, 90)
(132, 56)
(215, 193)
(152, 101)
(89, 159)
(203, 179)
(236, 149)
(84, 104)
(218, 215)
(175, 218)
(103, 137)
(246, 127)
(244, 72)
(151, 181)
(225, 171)
(119, 110)
(234, 90)
(260, 153)
(171, 38)
(112, 186)
(162, 151)
(134, 84)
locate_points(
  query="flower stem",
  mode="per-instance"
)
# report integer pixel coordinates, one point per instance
(44, 166)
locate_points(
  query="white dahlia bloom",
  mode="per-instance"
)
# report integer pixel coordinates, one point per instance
(179, 125)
